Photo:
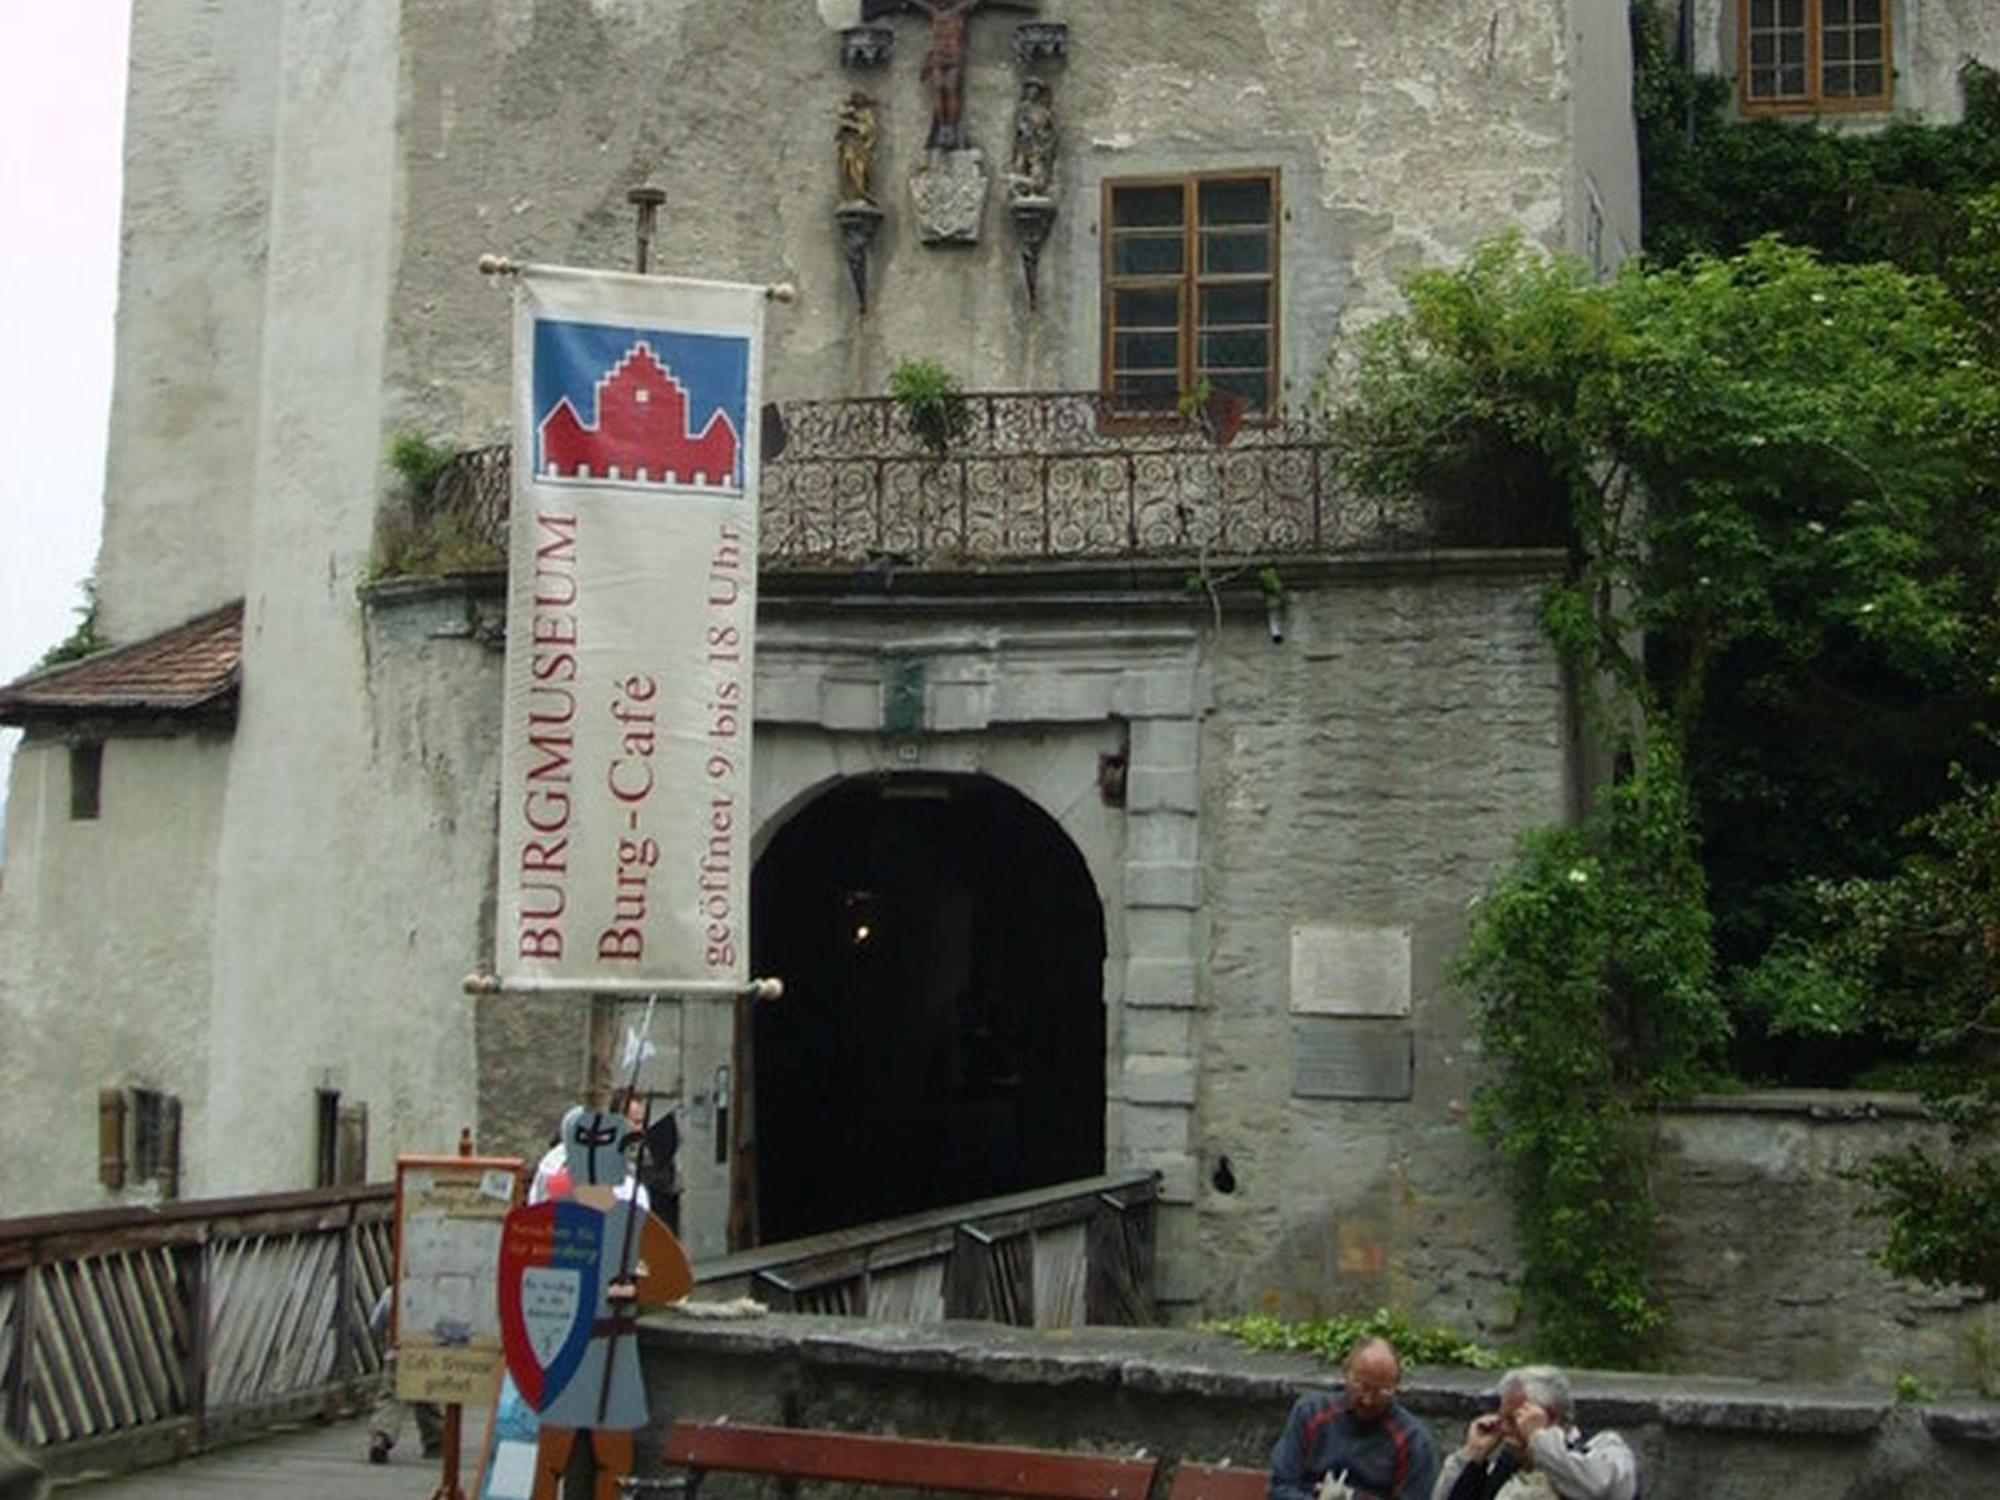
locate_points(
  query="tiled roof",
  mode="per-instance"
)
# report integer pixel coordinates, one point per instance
(190, 668)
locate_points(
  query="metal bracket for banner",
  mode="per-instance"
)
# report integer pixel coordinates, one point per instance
(626, 989)
(500, 265)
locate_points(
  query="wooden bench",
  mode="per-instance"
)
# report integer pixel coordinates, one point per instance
(914, 1463)
(1193, 1481)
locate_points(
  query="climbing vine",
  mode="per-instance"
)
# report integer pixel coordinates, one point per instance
(1589, 966)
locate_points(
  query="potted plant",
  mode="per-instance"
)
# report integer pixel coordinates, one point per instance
(931, 402)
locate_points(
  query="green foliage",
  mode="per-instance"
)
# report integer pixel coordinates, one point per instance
(1805, 434)
(1711, 185)
(931, 400)
(418, 535)
(1777, 468)
(1941, 1217)
(1912, 1390)
(1817, 449)
(1331, 1338)
(421, 464)
(1589, 967)
(84, 640)
(1913, 956)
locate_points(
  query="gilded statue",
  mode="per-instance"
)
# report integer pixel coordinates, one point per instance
(855, 145)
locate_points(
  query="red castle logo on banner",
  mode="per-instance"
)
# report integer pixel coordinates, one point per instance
(641, 434)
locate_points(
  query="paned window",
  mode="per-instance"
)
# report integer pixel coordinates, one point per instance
(1815, 54)
(1191, 290)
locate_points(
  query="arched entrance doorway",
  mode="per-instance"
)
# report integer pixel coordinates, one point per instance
(941, 1036)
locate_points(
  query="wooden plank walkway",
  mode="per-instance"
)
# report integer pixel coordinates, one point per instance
(316, 1461)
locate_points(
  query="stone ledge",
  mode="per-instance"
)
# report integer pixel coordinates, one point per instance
(1812, 1104)
(1176, 1362)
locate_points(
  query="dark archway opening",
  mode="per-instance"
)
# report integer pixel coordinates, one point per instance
(941, 1036)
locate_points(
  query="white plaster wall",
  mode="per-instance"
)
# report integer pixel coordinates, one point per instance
(334, 884)
(1605, 173)
(105, 927)
(179, 473)
(1405, 133)
(1941, 35)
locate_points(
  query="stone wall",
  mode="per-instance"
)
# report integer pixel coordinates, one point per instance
(1198, 1396)
(1364, 780)
(1767, 1259)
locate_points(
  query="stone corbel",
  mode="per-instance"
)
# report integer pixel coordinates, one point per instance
(866, 46)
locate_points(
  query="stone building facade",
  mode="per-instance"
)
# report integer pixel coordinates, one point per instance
(1283, 791)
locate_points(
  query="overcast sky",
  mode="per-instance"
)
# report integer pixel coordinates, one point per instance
(62, 110)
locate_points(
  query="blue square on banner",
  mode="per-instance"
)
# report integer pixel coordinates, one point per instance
(640, 406)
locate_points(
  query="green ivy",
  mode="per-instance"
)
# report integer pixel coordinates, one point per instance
(415, 535)
(1331, 1338)
(1589, 966)
(1711, 184)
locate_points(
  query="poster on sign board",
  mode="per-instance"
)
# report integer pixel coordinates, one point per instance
(450, 1211)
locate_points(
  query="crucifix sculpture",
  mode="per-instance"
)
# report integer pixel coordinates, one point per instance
(944, 64)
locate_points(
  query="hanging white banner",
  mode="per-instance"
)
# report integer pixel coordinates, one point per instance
(631, 609)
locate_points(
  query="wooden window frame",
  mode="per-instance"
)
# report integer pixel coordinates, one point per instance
(1815, 103)
(1189, 282)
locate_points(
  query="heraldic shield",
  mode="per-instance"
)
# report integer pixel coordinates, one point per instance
(550, 1256)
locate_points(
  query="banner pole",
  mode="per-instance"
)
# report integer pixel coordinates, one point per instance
(620, 1312)
(635, 989)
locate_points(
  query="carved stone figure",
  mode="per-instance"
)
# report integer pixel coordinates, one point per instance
(1032, 173)
(855, 144)
(944, 64)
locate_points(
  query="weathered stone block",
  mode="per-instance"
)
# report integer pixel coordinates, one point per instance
(850, 704)
(1162, 1033)
(1165, 742)
(1161, 693)
(1150, 1128)
(1162, 836)
(1176, 1168)
(1175, 788)
(1160, 982)
(1169, 885)
(1152, 1079)
(1054, 697)
(961, 706)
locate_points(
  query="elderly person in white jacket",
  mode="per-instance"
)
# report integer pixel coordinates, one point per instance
(1532, 1449)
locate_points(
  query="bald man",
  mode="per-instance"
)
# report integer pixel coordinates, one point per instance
(1355, 1443)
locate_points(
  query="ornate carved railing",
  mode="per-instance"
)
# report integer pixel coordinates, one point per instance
(160, 1331)
(1037, 477)
(1057, 1257)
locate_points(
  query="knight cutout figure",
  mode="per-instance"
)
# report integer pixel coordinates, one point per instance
(574, 1274)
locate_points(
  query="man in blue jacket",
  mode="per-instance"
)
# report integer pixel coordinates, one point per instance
(1355, 1443)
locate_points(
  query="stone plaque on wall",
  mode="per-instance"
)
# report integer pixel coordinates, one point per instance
(1336, 1059)
(1350, 971)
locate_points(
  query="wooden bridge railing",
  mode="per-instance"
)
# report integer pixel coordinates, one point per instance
(160, 1331)
(1076, 1252)
(134, 1335)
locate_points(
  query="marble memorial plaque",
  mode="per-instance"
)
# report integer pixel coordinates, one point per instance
(1350, 971)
